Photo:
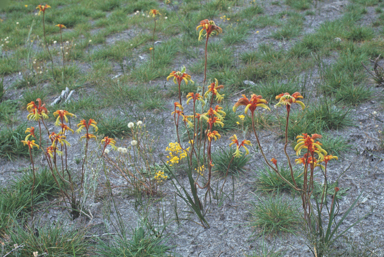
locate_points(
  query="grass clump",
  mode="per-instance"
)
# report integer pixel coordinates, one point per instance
(269, 181)
(52, 239)
(269, 90)
(223, 164)
(235, 34)
(353, 94)
(114, 127)
(301, 5)
(335, 145)
(8, 109)
(15, 200)
(10, 142)
(316, 119)
(142, 243)
(30, 95)
(275, 214)
(286, 32)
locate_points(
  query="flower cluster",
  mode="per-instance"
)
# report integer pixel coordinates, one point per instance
(208, 28)
(176, 153)
(234, 140)
(159, 176)
(313, 147)
(200, 170)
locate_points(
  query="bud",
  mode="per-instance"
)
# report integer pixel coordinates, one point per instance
(274, 161)
(337, 189)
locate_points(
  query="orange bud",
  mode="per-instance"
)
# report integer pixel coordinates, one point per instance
(337, 189)
(274, 161)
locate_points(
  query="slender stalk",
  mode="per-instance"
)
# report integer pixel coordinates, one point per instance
(265, 158)
(34, 179)
(62, 51)
(46, 45)
(286, 145)
(205, 63)
(179, 82)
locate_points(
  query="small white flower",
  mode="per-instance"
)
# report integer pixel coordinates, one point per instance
(133, 142)
(131, 125)
(90, 41)
(143, 14)
(374, 113)
(165, 17)
(54, 42)
(147, 16)
(139, 123)
(106, 151)
(35, 254)
(229, 8)
(124, 150)
(120, 149)
(61, 47)
(376, 126)
(6, 42)
(66, 52)
(17, 23)
(67, 42)
(131, 44)
(41, 72)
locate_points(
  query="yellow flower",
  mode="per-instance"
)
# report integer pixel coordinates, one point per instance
(26, 6)
(154, 12)
(200, 170)
(61, 26)
(208, 28)
(42, 8)
(151, 48)
(30, 144)
(242, 144)
(213, 135)
(287, 100)
(241, 117)
(62, 115)
(238, 123)
(179, 76)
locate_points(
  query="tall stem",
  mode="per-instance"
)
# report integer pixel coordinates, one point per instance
(34, 179)
(265, 158)
(46, 45)
(62, 51)
(205, 63)
(179, 82)
(286, 145)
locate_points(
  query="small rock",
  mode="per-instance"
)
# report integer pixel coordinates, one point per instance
(249, 82)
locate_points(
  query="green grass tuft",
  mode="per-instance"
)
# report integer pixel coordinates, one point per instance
(223, 164)
(141, 243)
(10, 142)
(316, 119)
(269, 181)
(274, 215)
